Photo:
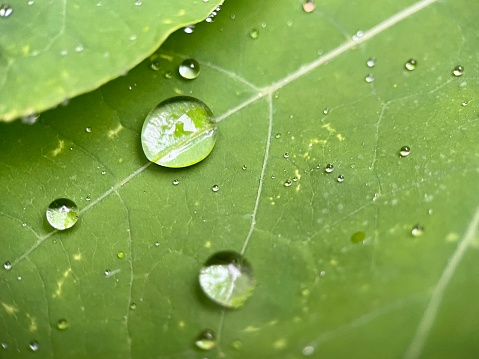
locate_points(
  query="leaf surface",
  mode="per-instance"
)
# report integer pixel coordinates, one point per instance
(318, 293)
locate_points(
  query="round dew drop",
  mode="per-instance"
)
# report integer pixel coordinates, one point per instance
(340, 178)
(369, 78)
(179, 132)
(417, 230)
(410, 65)
(371, 62)
(404, 151)
(227, 278)
(62, 214)
(206, 340)
(458, 71)
(329, 168)
(254, 34)
(189, 69)
(7, 265)
(120, 255)
(215, 188)
(62, 324)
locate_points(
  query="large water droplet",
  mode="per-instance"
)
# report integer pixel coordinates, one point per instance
(458, 71)
(62, 324)
(206, 340)
(179, 132)
(410, 65)
(417, 230)
(404, 151)
(62, 213)
(5, 10)
(309, 6)
(288, 183)
(33, 346)
(227, 278)
(189, 69)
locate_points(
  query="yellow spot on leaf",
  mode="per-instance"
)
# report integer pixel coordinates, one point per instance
(208, 244)
(10, 309)
(59, 149)
(178, 91)
(452, 237)
(250, 329)
(328, 127)
(333, 262)
(33, 325)
(26, 49)
(115, 131)
(58, 291)
(77, 257)
(167, 21)
(280, 344)
(167, 57)
(182, 12)
(340, 137)
(181, 324)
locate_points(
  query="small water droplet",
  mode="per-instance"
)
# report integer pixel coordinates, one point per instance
(318, 166)
(19, 277)
(103, 173)
(168, 75)
(326, 111)
(88, 129)
(215, 188)
(7, 265)
(30, 119)
(138, 3)
(179, 132)
(64, 52)
(404, 151)
(286, 155)
(417, 230)
(464, 104)
(369, 78)
(458, 71)
(305, 292)
(309, 6)
(33, 346)
(31, 2)
(358, 35)
(340, 178)
(277, 136)
(133, 37)
(358, 237)
(62, 324)
(410, 65)
(107, 272)
(227, 278)
(189, 29)
(244, 168)
(189, 69)
(4, 345)
(288, 183)
(308, 351)
(62, 213)
(175, 182)
(371, 62)
(133, 306)
(157, 244)
(206, 340)
(254, 34)
(329, 168)
(5, 10)
(79, 48)
(87, 198)
(155, 65)
(120, 255)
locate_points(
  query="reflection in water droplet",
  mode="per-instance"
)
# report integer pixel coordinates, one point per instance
(215, 188)
(62, 213)
(288, 183)
(227, 278)
(358, 237)
(254, 34)
(417, 230)
(329, 168)
(404, 151)
(206, 340)
(340, 178)
(138, 3)
(62, 324)
(30, 119)
(7, 265)
(410, 65)
(309, 6)
(179, 132)
(120, 255)
(458, 71)
(33, 346)
(5, 10)
(155, 65)
(189, 69)
(87, 198)
(103, 172)
(175, 182)
(371, 62)
(369, 78)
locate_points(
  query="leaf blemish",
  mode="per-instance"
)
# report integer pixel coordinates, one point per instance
(59, 149)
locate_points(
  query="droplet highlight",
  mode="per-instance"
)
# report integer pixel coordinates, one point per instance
(340, 179)
(120, 255)
(62, 213)
(227, 278)
(206, 340)
(189, 69)
(179, 132)
(369, 78)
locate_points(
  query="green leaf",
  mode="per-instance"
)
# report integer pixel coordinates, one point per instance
(53, 51)
(317, 291)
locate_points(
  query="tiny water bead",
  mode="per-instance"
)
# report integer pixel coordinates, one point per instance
(5, 10)
(329, 168)
(371, 62)
(277, 136)
(404, 151)
(464, 104)
(410, 65)
(179, 132)
(358, 237)
(107, 272)
(417, 230)
(33, 346)
(254, 34)
(286, 155)
(340, 178)
(62, 213)
(175, 182)
(132, 306)
(189, 69)
(369, 78)
(244, 168)
(88, 129)
(458, 71)
(215, 188)
(206, 340)
(288, 183)
(309, 6)
(7, 265)
(62, 324)
(168, 75)
(120, 255)
(227, 278)
(155, 65)
(189, 29)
